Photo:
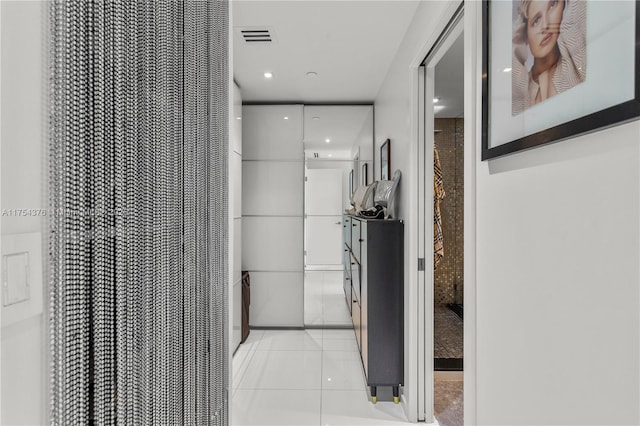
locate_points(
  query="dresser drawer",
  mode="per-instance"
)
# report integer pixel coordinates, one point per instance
(355, 277)
(355, 317)
(346, 230)
(355, 238)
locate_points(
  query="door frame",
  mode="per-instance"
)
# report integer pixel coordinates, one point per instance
(420, 316)
(306, 215)
(305, 267)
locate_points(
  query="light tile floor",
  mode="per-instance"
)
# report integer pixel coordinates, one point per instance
(324, 299)
(304, 377)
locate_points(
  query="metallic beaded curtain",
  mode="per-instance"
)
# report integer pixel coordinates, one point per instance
(138, 170)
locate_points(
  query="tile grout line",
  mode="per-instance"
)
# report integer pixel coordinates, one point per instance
(321, 381)
(245, 364)
(322, 293)
(282, 389)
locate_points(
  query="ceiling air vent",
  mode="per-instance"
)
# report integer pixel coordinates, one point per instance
(257, 34)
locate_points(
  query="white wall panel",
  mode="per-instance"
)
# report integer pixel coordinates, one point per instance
(236, 184)
(276, 299)
(272, 211)
(235, 217)
(236, 126)
(22, 145)
(22, 113)
(23, 376)
(237, 250)
(272, 188)
(236, 335)
(268, 136)
(272, 244)
(345, 166)
(324, 240)
(323, 192)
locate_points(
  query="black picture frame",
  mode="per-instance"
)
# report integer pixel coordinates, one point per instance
(607, 117)
(351, 184)
(385, 160)
(364, 177)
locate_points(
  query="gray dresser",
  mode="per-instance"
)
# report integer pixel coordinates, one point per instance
(374, 288)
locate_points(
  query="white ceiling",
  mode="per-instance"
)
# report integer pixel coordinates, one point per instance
(349, 44)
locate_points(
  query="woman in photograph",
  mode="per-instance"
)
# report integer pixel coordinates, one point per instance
(549, 50)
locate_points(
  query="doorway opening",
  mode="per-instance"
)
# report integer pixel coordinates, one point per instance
(443, 100)
(338, 146)
(325, 196)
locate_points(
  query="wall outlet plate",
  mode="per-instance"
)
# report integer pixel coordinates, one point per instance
(15, 278)
(22, 277)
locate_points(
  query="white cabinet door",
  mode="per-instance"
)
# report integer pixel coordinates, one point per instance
(323, 226)
(324, 240)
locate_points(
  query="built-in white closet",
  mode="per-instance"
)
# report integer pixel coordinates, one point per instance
(272, 213)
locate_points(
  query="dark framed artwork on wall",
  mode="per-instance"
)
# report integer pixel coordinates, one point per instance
(554, 69)
(363, 174)
(351, 183)
(385, 160)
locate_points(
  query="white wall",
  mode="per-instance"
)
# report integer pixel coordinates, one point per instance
(365, 148)
(22, 120)
(272, 213)
(344, 165)
(235, 232)
(557, 329)
(558, 281)
(393, 109)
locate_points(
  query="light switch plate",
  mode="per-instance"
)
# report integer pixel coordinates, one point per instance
(22, 277)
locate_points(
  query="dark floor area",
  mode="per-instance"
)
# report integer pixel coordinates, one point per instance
(448, 334)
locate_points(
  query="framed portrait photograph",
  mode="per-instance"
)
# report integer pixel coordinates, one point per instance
(554, 69)
(385, 160)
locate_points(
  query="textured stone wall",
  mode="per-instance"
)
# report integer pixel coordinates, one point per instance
(449, 286)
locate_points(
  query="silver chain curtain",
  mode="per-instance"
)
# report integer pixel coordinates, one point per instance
(138, 248)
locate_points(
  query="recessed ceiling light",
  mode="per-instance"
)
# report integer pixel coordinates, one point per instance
(312, 74)
(330, 155)
(268, 75)
(506, 70)
(316, 118)
(435, 100)
(286, 118)
(238, 118)
(327, 140)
